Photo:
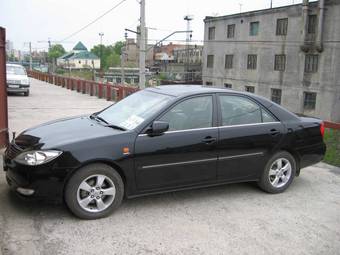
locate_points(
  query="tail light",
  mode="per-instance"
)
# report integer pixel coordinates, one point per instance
(322, 129)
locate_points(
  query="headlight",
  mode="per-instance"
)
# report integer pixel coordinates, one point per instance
(25, 82)
(33, 158)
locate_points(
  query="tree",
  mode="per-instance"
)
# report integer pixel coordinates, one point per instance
(110, 54)
(118, 47)
(56, 51)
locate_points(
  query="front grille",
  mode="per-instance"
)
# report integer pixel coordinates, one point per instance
(13, 82)
(13, 150)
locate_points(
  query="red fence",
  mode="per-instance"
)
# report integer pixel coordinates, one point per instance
(332, 125)
(3, 92)
(108, 91)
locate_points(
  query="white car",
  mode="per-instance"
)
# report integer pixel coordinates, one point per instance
(17, 79)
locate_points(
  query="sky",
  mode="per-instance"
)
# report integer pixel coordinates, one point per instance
(38, 20)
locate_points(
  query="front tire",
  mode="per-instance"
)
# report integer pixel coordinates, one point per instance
(279, 173)
(94, 191)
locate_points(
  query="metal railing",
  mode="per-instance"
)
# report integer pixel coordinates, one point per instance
(114, 92)
(332, 125)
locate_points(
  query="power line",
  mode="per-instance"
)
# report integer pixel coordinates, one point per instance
(92, 22)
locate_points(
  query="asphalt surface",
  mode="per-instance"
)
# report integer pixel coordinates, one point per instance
(230, 219)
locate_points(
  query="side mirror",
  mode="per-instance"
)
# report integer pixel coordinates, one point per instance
(158, 128)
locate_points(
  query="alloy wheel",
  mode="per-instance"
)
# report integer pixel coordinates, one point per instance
(280, 172)
(96, 193)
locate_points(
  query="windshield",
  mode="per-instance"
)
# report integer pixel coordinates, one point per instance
(133, 110)
(18, 70)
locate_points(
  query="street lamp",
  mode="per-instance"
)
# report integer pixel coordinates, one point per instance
(101, 49)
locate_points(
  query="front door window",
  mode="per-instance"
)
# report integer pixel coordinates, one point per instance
(190, 114)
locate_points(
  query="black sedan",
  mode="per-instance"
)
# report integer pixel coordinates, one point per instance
(162, 139)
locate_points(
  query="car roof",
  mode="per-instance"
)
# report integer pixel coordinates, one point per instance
(15, 65)
(187, 90)
(181, 90)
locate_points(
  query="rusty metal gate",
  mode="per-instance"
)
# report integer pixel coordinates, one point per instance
(3, 91)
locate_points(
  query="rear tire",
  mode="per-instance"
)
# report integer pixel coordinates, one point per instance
(26, 94)
(94, 191)
(279, 173)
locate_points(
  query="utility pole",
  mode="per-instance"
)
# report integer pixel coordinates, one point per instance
(188, 18)
(30, 44)
(101, 50)
(124, 49)
(49, 49)
(142, 46)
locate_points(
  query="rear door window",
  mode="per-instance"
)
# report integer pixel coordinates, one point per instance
(237, 110)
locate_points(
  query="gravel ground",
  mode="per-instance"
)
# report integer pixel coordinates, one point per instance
(230, 219)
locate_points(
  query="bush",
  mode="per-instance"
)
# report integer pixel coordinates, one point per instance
(332, 140)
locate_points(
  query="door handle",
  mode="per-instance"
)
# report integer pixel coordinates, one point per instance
(274, 132)
(209, 140)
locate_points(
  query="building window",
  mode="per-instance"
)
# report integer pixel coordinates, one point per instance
(254, 28)
(211, 33)
(276, 95)
(252, 62)
(309, 100)
(280, 63)
(210, 61)
(228, 85)
(228, 61)
(250, 89)
(281, 26)
(311, 63)
(208, 83)
(231, 31)
(312, 20)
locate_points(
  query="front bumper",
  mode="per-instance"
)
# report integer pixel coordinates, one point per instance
(43, 182)
(18, 88)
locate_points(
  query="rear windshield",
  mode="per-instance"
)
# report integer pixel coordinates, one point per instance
(15, 70)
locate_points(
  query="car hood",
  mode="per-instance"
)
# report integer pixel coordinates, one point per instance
(55, 134)
(16, 77)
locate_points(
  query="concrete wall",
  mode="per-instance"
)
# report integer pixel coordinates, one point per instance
(293, 81)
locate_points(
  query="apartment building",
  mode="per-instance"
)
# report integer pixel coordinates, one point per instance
(288, 54)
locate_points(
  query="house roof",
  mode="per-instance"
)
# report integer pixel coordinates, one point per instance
(79, 46)
(83, 55)
(79, 52)
(67, 55)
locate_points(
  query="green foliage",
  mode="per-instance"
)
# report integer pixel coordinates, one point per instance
(332, 140)
(118, 47)
(56, 51)
(11, 57)
(162, 76)
(110, 54)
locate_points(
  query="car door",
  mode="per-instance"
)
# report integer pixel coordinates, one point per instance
(186, 153)
(248, 134)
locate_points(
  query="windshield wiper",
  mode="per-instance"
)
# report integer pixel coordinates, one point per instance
(116, 127)
(96, 117)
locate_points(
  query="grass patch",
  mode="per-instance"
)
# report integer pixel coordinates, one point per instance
(82, 74)
(332, 140)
